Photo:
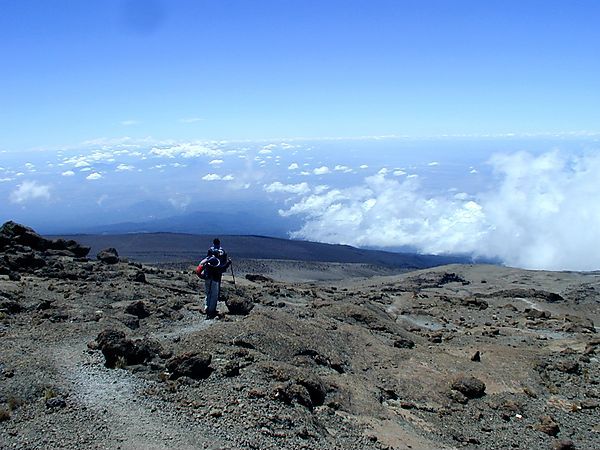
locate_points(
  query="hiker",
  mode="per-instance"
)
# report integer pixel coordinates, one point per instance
(216, 263)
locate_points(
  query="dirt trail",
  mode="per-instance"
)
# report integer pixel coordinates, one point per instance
(133, 420)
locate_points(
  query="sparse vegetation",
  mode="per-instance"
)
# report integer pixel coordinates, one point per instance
(121, 363)
(49, 393)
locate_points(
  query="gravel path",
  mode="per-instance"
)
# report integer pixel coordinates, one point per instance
(133, 420)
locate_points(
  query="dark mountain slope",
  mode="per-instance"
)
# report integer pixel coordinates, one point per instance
(162, 247)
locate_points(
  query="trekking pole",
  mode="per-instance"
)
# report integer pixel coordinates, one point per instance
(233, 275)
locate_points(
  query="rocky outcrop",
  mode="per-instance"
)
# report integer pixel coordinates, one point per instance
(14, 235)
(108, 256)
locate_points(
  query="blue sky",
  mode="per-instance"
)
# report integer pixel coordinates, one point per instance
(78, 70)
(443, 126)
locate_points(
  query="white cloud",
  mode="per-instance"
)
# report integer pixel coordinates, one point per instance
(293, 166)
(320, 188)
(124, 167)
(128, 123)
(321, 170)
(267, 149)
(299, 189)
(94, 176)
(399, 172)
(29, 166)
(541, 213)
(383, 171)
(216, 162)
(29, 190)
(229, 177)
(185, 150)
(433, 163)
(342, 168)
(68, 173)
(363, 166)
(211, 177)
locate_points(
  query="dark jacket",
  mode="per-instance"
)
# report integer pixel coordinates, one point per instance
(215, 271)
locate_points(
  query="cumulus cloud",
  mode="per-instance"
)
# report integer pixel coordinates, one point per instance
(342, 168)
(211, 177)
(321, 170)
(277, 186)
(293, 166)
(216, 162)
(29, 190)
(68, 173)
(94, 176)
(541, 213)
(228, 177)
(399, 172)
(124, 167)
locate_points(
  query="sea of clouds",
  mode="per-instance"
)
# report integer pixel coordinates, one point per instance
(498, 199)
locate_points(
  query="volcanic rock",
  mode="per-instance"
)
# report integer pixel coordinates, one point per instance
(470, 387)
(257, 277)
(563, 444)
(108, 256)
(190, 364)
(239, 305)
(138, 309)
(56, 402)
(403, 343)
(117, 349)
(548, 425)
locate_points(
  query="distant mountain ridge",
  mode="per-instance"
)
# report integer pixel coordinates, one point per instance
(171, 247)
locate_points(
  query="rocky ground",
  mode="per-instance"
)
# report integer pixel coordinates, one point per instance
(105, 353)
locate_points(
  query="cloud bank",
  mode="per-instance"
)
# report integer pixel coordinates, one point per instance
(541, 213)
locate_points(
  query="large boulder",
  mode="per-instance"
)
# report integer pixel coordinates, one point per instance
(108, 256)
(470, 387)
(119, 350)
(191, 364)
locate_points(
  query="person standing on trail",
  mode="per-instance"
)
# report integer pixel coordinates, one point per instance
(216, 264)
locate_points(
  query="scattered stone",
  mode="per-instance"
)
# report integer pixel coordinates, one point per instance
(231, 369)
(403, 343)
(56, 402)
(532, 313)
(576, 324)
(567, 366)
(548, 425)
(476, 356)
(138, 277)
(474, 302)
(190, 364)
(470, 387)
(138, 309)
(108, 256)
(563, 444)
(258, 278)
(239, 305)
